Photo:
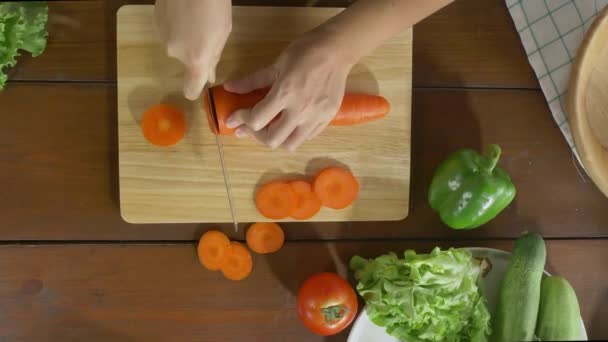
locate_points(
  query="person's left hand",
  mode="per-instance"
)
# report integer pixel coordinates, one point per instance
(308, 84)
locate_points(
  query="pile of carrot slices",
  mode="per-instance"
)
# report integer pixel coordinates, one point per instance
(217, 253)
(333, 187)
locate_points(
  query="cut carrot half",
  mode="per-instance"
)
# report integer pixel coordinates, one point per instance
(337, 188)
(360, 108)
(213, 248)
(276, 200)
(238, 264)
(163, 125)
(265, 237)
(227, 103)
(308, 203)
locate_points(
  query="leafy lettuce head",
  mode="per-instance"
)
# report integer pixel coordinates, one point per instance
(424, 297)
(22, 27)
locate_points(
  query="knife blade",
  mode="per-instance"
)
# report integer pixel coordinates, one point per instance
(218, 141)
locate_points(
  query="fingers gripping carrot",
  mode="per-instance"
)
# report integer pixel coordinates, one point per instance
(355, 108)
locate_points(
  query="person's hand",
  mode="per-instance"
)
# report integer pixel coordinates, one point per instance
(308, 84)
(195, 32)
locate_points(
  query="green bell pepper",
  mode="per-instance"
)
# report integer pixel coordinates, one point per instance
(468, 189)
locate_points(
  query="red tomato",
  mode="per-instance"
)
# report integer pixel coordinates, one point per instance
(327, 303)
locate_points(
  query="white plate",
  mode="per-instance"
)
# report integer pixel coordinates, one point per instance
(364, 330)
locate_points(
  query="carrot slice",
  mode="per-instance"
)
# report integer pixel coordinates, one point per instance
(276, 200)
(238, 264)
(308, 202)
(265, 237)
(337, 188)
(163, 125)
(213, 247)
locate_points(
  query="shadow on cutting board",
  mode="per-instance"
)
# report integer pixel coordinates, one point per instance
(318, 164)
(144, 97)
(140, 99)
(194, 119)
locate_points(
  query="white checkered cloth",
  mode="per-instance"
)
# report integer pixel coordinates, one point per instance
(551, 32)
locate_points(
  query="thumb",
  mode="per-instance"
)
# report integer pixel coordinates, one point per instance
(259, 79)
(194, 82)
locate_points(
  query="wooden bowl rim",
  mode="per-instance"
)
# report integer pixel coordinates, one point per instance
(592, 154)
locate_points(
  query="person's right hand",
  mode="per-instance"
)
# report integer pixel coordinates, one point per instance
(195, 32)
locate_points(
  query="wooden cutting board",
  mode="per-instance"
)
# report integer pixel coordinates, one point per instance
(185, 183)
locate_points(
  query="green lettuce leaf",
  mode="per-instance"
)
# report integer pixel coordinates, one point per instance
(424, 297)
(22, 27)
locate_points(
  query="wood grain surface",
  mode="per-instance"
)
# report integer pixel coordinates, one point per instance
(58, 156)
(588, 102)
(184, 183)
(469, 43)
(59, 198)
(129, 293)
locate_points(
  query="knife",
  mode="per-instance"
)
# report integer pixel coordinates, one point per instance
(218, 141)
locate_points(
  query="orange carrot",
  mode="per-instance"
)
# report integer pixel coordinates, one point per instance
(355, 108)
(337, 188)
(360, 108)
(276, 200)
(308, 202)
(265, 237)
(213, 247)
(163, 125)
(238, 263)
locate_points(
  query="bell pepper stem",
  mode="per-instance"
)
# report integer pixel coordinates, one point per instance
(493, 154)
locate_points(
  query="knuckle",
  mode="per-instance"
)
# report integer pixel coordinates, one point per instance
(274, 71)
(293, 119)
(285, 89)
(193, 58)
(335, 102)
(274, 143)
(256, 124)
(172, 50)
(228, 27)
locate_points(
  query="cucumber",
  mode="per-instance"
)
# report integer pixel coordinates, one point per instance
(559, 316)
(519, 294)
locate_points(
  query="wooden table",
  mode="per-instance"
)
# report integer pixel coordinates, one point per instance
(73, 270)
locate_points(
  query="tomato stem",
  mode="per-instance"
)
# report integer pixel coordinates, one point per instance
(334, 313)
